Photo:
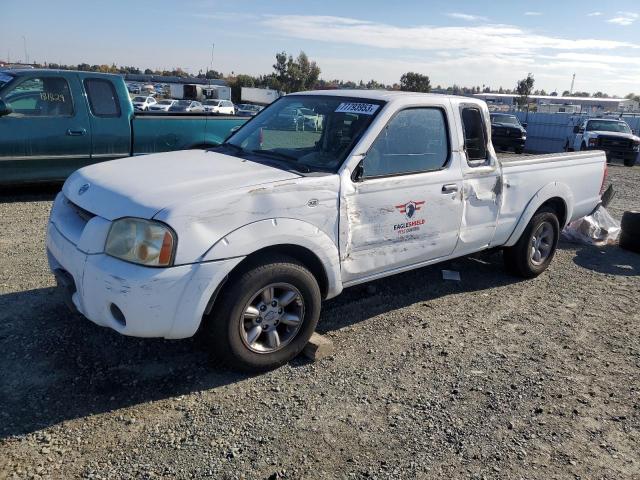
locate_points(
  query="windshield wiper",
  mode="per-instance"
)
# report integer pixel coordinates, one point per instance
(237, 148)
(289, 160)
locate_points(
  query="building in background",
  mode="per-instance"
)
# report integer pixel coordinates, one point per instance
(589, 105)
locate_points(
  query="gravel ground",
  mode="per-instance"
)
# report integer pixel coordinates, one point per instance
(489, 377)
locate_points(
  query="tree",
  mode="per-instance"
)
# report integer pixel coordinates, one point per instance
(415, 82)
(524, 88)
(633, 96)
(294, 75)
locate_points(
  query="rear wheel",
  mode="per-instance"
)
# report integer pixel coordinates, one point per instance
(583, 147)
(536, 247)
(265, 315)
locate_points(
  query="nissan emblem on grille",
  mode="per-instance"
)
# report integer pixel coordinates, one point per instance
(83, 188)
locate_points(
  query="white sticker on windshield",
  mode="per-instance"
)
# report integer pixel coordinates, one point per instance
(363, 108)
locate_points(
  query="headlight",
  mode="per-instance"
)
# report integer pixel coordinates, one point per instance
(636, 147)
(141, 241)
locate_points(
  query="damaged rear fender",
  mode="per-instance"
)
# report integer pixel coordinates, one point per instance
(282, 231)
(546, 193)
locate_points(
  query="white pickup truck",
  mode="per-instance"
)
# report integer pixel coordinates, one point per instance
(243, 241)
(613, 136)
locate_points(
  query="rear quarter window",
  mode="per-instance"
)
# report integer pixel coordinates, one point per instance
(103, 99)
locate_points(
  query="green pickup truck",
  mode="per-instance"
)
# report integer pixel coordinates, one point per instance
(53, 122)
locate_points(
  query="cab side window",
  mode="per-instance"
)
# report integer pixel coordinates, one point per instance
(415, 140)
(103, 100)
(475, 137)
(41, 97)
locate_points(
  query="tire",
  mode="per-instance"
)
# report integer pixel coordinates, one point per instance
(520, 259)
(630, 231)
(583, 147)
(518, 150)
(630, 223)
(630, 162)
(231, 334)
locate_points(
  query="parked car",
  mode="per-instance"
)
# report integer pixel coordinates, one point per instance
(225, 107)
(162, 105)
(245, 240)
(143, 103)
(507, 132)
(611, 135)
(134, 88)
(247, 110)
(187, 106)
(72, 119)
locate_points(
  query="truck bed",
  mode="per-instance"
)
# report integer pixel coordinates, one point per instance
(162, 132)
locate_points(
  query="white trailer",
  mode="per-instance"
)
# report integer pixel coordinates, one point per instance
(260, 96)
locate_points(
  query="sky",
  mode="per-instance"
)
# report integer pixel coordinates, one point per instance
(463, 42)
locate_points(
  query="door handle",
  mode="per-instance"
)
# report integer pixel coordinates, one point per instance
(449, 188)
(76, 133)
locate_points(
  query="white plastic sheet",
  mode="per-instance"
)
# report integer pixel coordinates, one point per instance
(599, 228)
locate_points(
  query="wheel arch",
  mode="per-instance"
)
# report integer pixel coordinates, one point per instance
(296, 238)
(555, 195)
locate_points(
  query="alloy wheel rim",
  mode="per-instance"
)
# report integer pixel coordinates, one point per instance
(541, 243)
(272, 318)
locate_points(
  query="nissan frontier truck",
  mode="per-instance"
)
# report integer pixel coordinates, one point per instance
(243, 242)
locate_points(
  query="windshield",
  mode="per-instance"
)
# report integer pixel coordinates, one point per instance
(4, 79)
(307, 132)
(165, 102)
(509, 119)
(139, 99)
(183, 103)
(212, 102)
(608, 126)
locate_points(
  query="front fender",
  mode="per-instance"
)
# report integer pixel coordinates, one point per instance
(281, 231)
(549, 191)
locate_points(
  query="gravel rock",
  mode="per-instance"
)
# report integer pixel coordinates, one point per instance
(490, 377)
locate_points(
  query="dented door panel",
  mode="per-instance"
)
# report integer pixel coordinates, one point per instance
(393, 222)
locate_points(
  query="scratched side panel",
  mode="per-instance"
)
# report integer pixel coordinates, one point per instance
(209, 218)
(398, 221)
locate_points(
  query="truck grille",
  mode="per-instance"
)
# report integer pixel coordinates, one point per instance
(79, 211)
(615, 143)
(70, 219)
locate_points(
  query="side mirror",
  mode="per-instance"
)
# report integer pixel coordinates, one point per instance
(358, 173)
(576, 129)
(4, 109)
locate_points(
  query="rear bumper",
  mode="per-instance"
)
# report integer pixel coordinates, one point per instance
(132, 299)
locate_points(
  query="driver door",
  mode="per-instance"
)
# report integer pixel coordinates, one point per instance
(46, 136)
(406, 206)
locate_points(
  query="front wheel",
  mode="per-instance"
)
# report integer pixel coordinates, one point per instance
(518, 150)
(536, 247)
(265, 315)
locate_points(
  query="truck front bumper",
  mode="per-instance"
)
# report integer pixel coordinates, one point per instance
(132, 299)
(508, 142)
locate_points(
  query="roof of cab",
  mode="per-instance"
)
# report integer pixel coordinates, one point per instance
(385, 95)
(31, 71)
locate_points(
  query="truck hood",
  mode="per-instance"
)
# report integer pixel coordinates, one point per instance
(142, 186)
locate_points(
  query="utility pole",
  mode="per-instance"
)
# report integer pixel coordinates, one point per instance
(573, 80)
(26, 55)
(213, 45)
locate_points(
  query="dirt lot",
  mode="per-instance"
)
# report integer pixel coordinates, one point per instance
(490, 377)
